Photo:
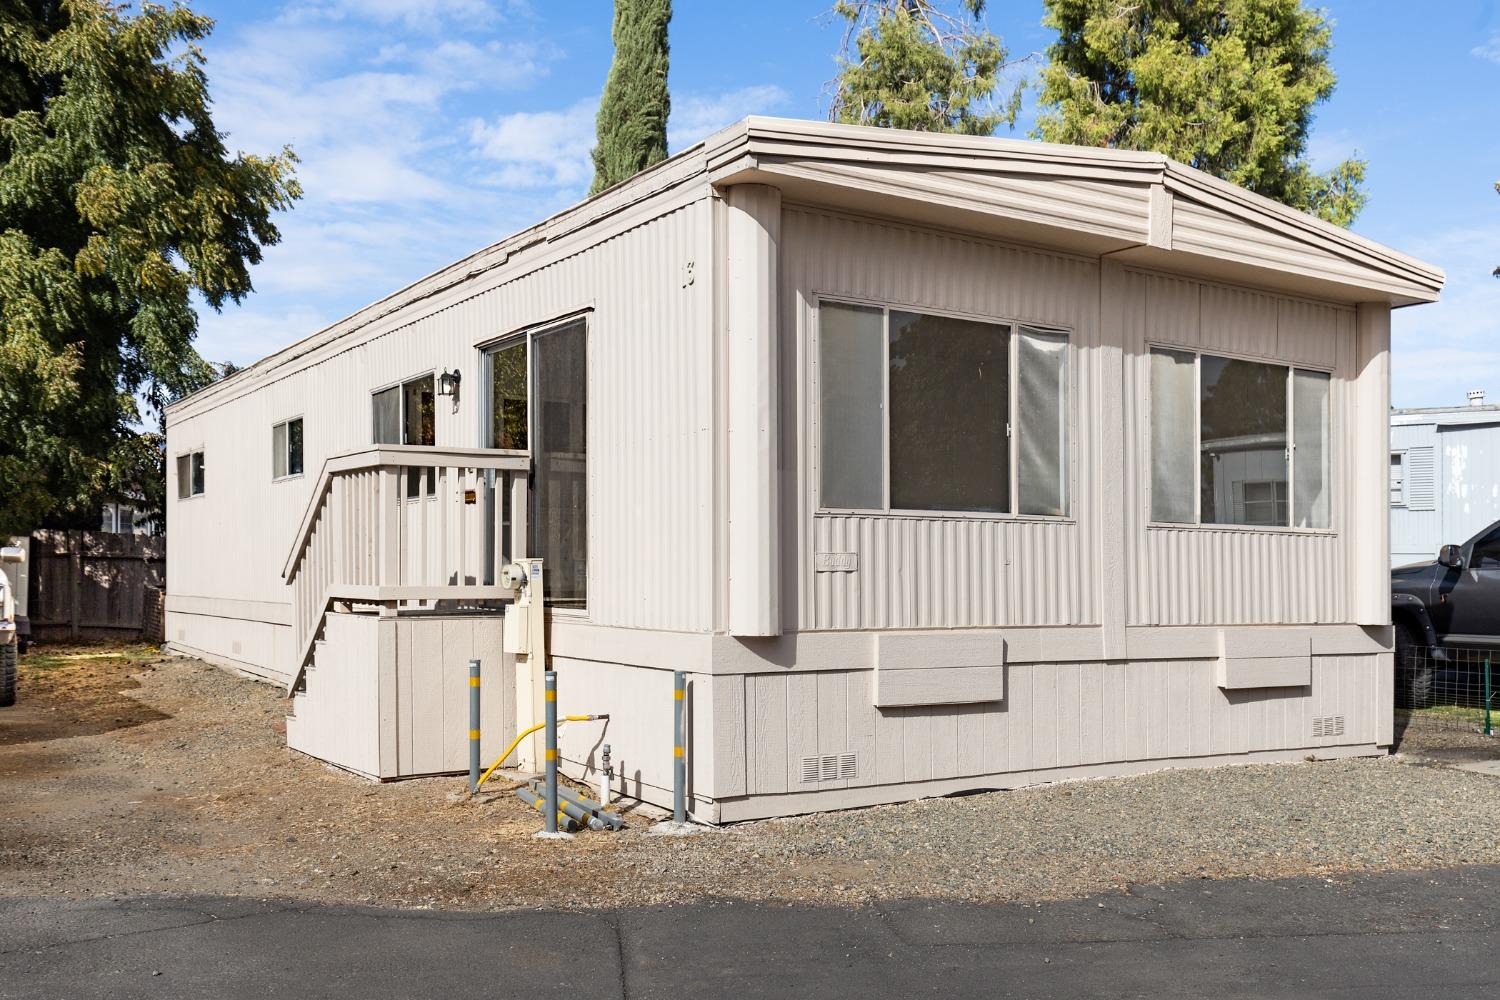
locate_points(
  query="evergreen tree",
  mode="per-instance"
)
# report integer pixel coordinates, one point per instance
(632, 122)
(916, 64)
(118, 200)
(1228, 87)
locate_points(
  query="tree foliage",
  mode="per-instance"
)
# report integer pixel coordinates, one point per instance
(1227, 86)
(918, 64)
(118, 200)
(632, 122)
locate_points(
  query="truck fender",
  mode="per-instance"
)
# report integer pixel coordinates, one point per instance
(1410, 607)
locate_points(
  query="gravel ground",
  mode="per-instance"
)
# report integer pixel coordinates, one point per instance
(126, 775)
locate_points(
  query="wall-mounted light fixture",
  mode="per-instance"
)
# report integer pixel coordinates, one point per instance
(448, 382)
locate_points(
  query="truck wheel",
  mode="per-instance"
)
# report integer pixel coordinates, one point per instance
(1413, 670)
(7, 675)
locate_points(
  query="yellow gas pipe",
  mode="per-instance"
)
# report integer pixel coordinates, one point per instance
(517, 742)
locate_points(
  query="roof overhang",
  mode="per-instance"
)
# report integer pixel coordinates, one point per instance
(1142, 208)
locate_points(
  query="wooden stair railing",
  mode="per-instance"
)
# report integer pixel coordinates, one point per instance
(394, 525)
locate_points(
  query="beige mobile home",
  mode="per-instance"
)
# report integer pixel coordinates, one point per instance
(938, 462)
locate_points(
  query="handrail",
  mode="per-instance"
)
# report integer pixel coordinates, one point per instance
(375, 456)
(394, 525)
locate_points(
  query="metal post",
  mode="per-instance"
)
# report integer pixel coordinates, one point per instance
(473, 726)
(549, 814)
(1488, 692)
(679, 756)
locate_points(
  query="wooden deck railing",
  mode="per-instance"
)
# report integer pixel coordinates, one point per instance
(395, 525)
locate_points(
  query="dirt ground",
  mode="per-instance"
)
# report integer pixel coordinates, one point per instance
(126, 772)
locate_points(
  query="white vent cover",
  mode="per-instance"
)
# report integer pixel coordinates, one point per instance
(1421, 478)
(830, 767)
(1325, 726)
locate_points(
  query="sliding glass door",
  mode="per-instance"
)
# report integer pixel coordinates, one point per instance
(537, 388)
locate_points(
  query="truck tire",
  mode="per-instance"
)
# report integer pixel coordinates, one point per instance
(7, 675)
(1413, 670)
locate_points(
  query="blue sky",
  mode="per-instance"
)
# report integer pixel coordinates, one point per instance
(430, 128)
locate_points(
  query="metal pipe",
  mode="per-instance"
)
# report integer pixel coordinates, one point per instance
(584, 810)
(679, 752)
(561, 819)
(606, 776)
(1488, 694)
(473, 726)
(549, 814)
(566, 795)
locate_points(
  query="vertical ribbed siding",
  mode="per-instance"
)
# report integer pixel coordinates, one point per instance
(1054, 715)
(1201, 575)
(931, 571)
(649, 428)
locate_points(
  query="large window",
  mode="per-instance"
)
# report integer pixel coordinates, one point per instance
(286, 449)
(538, 399)
(190, 477)
(924, 412)
(1238, 442)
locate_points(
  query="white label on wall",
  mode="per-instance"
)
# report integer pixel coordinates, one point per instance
(837, 562)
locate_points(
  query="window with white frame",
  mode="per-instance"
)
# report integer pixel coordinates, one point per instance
(286, 449)
(190, 479)
(1398, 479)
(927, 412)
(1235, 441)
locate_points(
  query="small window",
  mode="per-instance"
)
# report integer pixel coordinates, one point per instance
(1262, 502)
(925, 412)
(407, 414)
(386, 405)
(286, 449)
(189, 475)
(1398, 479)
(1235, 441)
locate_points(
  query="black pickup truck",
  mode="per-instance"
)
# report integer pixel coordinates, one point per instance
(1441, 610)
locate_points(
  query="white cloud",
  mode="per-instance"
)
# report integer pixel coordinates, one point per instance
(1327, 149)
(539, 148)
(245, 335)
(1441, 351)
(412, 15)
(1489, 50)
(695, 116)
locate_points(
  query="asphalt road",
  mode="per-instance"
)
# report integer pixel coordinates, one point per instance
(1430, 934)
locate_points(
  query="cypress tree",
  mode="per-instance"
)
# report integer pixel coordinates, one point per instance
(632, 122)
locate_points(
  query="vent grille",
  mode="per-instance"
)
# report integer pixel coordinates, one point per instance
(1421, 479)
(830, 767)
(1325, 726)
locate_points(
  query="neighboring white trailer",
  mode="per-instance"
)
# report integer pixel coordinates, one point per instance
(1445, 477)
(938, 462)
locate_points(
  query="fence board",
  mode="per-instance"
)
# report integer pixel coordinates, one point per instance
(92, 584)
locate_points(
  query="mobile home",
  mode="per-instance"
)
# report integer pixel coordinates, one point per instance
(937, 462)
(1445, 476)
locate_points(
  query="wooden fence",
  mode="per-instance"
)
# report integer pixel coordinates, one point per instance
(95, 585)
